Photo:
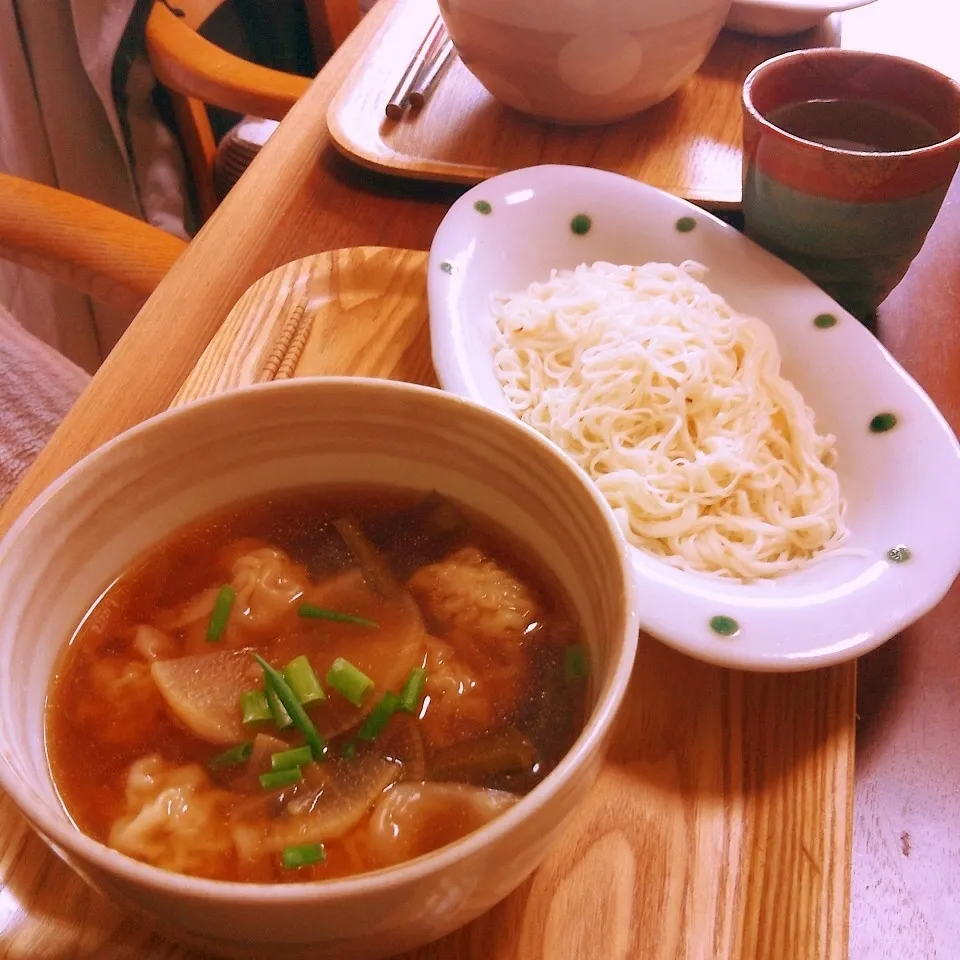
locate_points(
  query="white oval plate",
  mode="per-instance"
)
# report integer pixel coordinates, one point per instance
(780, 18)
(902, 486)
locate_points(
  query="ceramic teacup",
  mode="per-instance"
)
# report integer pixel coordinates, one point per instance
(848, 206)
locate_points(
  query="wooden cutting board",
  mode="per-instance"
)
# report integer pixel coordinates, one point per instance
(720, 828)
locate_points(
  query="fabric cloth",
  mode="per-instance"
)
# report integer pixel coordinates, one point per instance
(76, 112)
(38, 386)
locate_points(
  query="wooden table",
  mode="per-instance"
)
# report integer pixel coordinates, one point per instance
(300, 197)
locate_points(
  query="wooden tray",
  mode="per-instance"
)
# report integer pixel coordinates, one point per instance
(689, 145)
(721, 825)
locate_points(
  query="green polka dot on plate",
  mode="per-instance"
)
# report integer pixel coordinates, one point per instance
(824, 321)
(724, 626)
(686, 224)
(581, 224)
(883, 422)
(899, 554)
(482, 206)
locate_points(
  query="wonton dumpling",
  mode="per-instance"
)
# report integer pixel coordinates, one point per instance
(477, 676)
(123, 703)
(267, 583)
(153, 644)
(175, 818)
(470, 593)
(412, 819)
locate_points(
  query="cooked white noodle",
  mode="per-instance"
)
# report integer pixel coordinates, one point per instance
(674, 404)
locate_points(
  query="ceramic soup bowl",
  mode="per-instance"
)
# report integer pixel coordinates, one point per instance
(583, 61)
(89, 526)
(851, 219)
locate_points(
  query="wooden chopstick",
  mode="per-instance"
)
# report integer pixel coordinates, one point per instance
(431, 74)
(398, 102)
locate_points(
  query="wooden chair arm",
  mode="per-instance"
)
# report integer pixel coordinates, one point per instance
(183, 61)
(113, 257)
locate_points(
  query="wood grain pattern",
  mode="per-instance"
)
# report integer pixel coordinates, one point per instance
(360, 312)
(689, 145)
(300, 197)
(906, 864)
(113, 257)
(710, 770)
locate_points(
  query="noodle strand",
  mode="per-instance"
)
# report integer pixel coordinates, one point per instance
(674, 405)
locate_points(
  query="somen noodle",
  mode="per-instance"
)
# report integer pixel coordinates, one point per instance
(674, 404)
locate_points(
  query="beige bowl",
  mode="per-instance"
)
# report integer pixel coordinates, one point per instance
(88, 527)
(583, 61)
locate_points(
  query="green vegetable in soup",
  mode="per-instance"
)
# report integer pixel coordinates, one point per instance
(254, 706)
(303, 681)
(349, 681)
(290, 759)
(274, 682)
(221, 613)
(312, 612)
(303, 856)
(379, 716)
(232, 757)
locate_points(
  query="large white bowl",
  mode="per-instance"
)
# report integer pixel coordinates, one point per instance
(88, 527)
(902, 486)
(583, 61)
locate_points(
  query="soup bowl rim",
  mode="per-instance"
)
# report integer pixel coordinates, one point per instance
(67, 838)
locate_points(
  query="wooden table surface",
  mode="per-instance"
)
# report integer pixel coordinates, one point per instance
(300, 197)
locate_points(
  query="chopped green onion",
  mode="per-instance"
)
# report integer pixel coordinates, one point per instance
(349, 750)
(255, 707)
(232, 757)
(319, 613)
(379, 716)
(294, 708)
(281, 718)
(287, 759)
(303, 681)
(412, 690)
(280, 778)
(304, 856)
(348, 681)
(221, 613)
(576, 664)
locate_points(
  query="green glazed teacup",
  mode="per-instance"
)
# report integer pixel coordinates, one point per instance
(852, 212)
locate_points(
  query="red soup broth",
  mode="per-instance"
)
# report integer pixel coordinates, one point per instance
(144, 726)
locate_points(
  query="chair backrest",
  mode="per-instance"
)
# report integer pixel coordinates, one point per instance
(102, 252)
(338, 17)
(197, 72)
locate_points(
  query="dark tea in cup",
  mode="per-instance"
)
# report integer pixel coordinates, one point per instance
(866, 126)
(847, 157)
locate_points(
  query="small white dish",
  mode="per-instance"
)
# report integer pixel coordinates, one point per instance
(781, 18)
(902, 486)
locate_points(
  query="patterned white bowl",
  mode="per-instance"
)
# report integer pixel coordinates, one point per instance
(902, 485)
(87, 528)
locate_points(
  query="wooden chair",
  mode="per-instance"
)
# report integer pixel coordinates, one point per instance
(113, 257)
(197, 72)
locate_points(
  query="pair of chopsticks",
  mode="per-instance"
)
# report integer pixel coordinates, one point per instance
(422, 72)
